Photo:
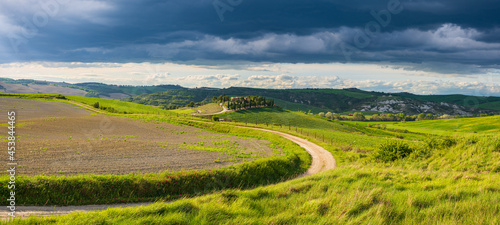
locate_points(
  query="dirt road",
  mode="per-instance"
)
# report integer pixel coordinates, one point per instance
(224, 110)
(322, 160)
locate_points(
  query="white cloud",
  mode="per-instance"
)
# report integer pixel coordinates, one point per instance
(364, 76)
(217, 80)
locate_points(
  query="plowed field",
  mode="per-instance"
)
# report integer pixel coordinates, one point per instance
(56, 138)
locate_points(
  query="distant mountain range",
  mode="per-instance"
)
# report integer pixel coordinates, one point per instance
(315, 100)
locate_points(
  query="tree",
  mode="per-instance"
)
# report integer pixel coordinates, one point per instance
(191, 104)
(359, 116)
(322, 114)
(96, 105)
(329, 115)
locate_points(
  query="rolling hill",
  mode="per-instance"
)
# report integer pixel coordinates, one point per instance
(334, 100)
(314, 100)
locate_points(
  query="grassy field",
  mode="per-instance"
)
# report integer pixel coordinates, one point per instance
(344, 135)
(274, 115)
(423, 172)
(184, 110)
(209, 108)
(489, 124)
(204, 109)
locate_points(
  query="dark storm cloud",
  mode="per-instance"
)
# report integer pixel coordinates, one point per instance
(446, 31)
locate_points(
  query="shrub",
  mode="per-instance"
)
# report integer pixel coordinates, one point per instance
(59, 96)
(437, 143)
(393, 150)
(215, 118)
(96, 105)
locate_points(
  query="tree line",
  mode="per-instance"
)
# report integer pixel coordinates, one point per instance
(239, 103)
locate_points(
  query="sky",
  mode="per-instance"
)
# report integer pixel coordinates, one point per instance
(417, 46)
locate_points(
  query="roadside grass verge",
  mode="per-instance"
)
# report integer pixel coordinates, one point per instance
(350, 195)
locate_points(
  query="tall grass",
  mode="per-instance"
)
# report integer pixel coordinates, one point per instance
(348, 195)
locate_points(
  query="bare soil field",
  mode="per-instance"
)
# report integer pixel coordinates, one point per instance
(36, 88)
(57, 138)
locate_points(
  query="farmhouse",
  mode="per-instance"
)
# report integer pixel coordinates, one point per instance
(238, 98)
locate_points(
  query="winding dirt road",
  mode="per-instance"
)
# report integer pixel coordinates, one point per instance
(322, 160)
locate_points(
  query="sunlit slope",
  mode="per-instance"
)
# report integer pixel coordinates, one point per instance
(490, 124)
(274, 115)
(118, 106)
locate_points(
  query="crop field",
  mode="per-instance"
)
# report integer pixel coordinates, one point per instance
(61, 139)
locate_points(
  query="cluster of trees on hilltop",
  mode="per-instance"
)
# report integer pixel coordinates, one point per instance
(238, 103)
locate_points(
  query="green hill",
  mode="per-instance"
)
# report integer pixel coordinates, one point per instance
(316, 100)
(274, 115)
(323, 100)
